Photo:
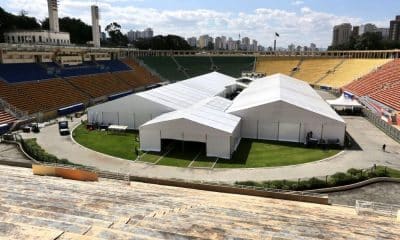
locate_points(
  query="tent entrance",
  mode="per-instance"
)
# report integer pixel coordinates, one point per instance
(183, 146)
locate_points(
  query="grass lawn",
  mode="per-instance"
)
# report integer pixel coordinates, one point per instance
(118, 145)
(203, 161)
(179, 157)
(150, 157)
(250, 153)
(259, 153)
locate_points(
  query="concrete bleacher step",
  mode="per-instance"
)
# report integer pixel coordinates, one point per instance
(111, 234)
(74, 236)
(10, 230)
(40, 222)
(54, 215)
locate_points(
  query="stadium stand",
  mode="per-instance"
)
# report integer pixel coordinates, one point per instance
(195, 66)
(6, 118)
(234, 66)
(381, 85)
(99, 85)
(350, 70)
(54, 208)
(272, 65)
(140, 76)
(45, 95)
(165, 66)
(22, 72)
(175, 69)
(313, 70)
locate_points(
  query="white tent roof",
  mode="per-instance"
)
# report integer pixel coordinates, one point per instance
(344, 101)
(279, 87)
(185, 93)
(209, 112)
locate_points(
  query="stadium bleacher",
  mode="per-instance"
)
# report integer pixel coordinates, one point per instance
(140, 76)
(165, 66)
(99, 85)
(234, 66)
(193, 66)
(312, 70)
(6, 118)
(22, 72)
(381, 85)
(350, 70)
(272, 65)
(55, 208)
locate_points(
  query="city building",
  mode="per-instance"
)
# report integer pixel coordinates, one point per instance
(136, 35)
(341, 34)
(384, 32)
(313, 47)
(365, 28)
(103, 36)
(192, 41)
(356, 31)
(291, 48)
(254, 46)
(51, 37)
(394, 31)
(204, 40)
(218, 43)
(245, 44)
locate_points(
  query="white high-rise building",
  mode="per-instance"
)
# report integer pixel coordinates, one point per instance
(136, 35)
(53, 15)
(203, 41)
(192, 41)
(95, 26)
(218, 43)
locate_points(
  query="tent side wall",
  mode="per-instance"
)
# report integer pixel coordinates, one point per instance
(281, 121)
(131, 111)
(217, 142)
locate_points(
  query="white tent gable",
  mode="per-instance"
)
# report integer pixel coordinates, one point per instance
(186, 93)
(209, 112)
(279, 87)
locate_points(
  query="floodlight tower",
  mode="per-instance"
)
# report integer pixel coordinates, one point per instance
(53, 15)
(95, 26)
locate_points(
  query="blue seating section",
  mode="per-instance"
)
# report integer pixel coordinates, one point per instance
(22, 72)
(114, 65)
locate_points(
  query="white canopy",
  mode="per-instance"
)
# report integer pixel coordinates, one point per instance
(280, 87)
(344, 101)
(209, 112)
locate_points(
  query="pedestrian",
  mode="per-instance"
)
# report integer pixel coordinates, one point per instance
(384, 147)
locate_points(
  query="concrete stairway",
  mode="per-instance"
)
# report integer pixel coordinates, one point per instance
(34, 207)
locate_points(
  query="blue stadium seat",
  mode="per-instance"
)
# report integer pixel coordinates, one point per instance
(21, 72)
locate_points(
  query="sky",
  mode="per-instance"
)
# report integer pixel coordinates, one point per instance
(297, 21)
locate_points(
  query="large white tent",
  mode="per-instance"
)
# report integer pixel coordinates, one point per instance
(204, 122)
(136, 109)
(279, 107)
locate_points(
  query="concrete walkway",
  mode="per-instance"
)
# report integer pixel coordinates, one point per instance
(368, 137)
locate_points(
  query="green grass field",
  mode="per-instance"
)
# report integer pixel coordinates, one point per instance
(259, 153)
(249, 154)
(118, 145)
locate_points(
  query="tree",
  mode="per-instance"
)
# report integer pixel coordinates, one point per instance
(80, 32)
(9, 22)
(169, 42)
(116, 37)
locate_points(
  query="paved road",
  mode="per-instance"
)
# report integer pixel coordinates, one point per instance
(368, 137)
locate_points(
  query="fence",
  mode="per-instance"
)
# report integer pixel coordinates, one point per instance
(381, 124)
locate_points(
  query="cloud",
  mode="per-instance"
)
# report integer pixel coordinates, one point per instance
(297, 2)
(300, 27)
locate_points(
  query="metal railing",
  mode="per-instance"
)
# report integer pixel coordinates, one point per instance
(381, 124)
(13, 110)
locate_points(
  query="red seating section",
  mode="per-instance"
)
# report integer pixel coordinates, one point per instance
(382, 85)
(5, 117)
(98, 85)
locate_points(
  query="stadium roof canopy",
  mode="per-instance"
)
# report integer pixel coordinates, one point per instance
(189, 92)
(280, 87)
